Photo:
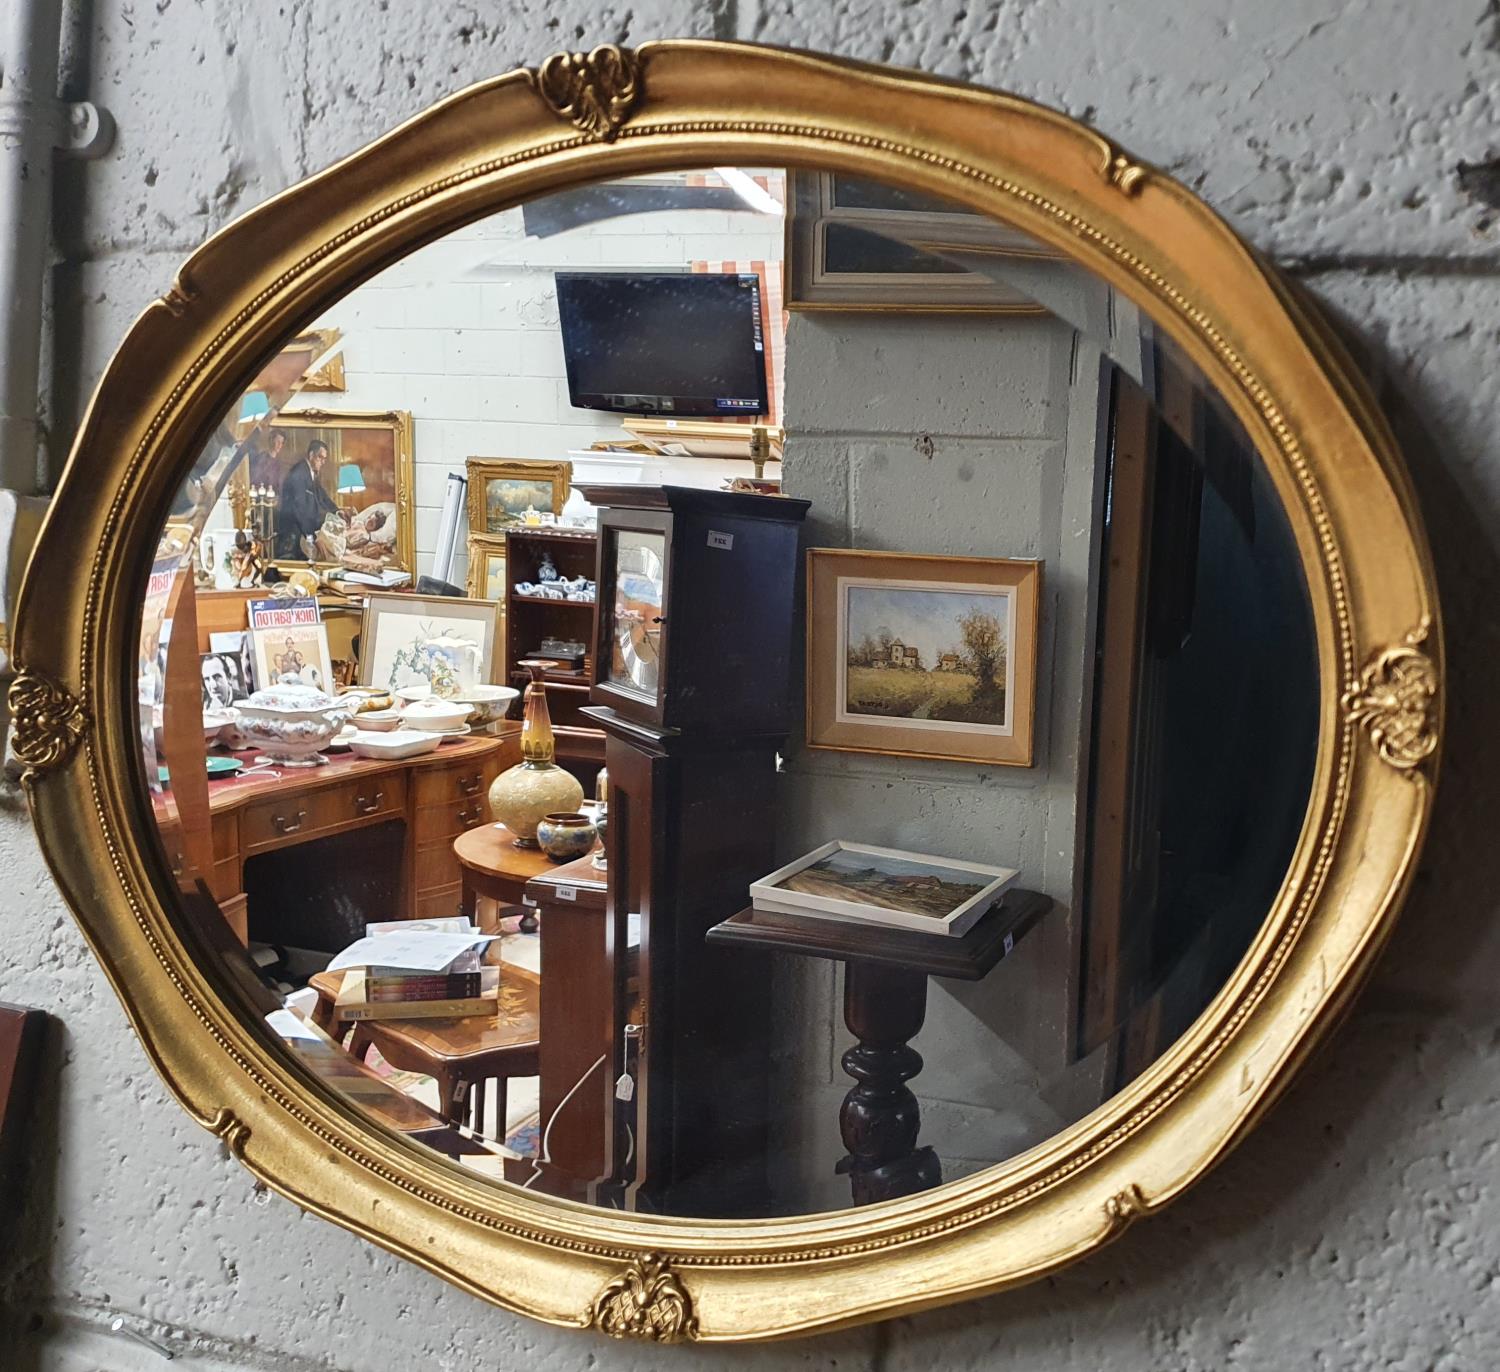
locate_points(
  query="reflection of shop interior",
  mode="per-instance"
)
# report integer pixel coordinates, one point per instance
(711, 1075)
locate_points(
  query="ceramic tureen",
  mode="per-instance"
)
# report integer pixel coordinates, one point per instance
(292, 724)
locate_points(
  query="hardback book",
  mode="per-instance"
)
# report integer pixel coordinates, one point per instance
(855, 883)
(453, 986)
(418, 1009)
(388, 985)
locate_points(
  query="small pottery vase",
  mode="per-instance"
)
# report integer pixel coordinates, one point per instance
(565, 837)
(536, 785)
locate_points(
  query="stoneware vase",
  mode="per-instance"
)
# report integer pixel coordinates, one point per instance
(535, 786)
(564, 837)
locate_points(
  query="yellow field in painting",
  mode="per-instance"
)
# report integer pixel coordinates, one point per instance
(905, 694)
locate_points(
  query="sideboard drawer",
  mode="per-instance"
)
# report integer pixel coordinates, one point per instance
(465, 783)
(439, 825)
(360, 800)
(440, 903)
(435, 867)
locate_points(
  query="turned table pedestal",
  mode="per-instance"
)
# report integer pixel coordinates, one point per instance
(885, 1002)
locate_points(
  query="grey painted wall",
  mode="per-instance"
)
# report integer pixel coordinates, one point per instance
(1359, 1225)
(949, 435)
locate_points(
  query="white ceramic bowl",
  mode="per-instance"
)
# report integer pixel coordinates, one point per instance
(378, 721)
(398, 743)
(444, 716)
(489, 703)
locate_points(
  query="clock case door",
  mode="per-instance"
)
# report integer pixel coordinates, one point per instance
(728, 607)
(630, 701)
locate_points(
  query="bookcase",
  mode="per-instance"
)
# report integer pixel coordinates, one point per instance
(530, 619)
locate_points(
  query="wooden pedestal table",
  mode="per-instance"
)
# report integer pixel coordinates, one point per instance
(461, 1054)
(493, 868)
(885, 1002)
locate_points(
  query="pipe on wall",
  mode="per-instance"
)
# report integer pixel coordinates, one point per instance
(34, 125)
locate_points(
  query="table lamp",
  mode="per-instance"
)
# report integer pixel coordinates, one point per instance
(351, 479)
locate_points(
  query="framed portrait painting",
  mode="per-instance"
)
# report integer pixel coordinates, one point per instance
(922, 656)
(856, 244)
(331, 489)
(505, 493)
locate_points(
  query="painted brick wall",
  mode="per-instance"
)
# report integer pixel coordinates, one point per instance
(1357, 1227)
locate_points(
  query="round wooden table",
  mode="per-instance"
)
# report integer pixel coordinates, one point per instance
(493, 867)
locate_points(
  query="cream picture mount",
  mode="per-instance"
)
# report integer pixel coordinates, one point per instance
(610, 113)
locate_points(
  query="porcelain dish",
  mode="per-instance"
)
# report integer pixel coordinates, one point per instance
(397, 744)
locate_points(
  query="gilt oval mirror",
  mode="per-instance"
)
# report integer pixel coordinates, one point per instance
(723, 692)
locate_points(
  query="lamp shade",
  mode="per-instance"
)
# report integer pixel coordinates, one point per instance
(254, 404)
(351, 479)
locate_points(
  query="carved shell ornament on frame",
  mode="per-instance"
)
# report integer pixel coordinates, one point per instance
(1394, 702)
(646, 1301)
(594, 90)
(47, 722)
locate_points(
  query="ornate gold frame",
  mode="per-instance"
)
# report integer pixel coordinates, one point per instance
(330, 376)
(481, 548)
(613, 113)
(399, 422)
(482, 470)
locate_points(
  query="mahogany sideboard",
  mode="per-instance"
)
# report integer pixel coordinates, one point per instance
(438, 796)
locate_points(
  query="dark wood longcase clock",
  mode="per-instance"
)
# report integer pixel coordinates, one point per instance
(692, 687)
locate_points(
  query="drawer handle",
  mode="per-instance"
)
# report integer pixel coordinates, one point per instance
(283, 825)
(467, 817)
(469, 786)
(368, 807)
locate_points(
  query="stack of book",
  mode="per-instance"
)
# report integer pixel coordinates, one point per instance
(416, 974)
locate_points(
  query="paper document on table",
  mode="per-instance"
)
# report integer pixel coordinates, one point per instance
(287, 1025)
(420, 951)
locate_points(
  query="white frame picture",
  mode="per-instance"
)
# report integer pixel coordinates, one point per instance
(393, 621)
(771, 895)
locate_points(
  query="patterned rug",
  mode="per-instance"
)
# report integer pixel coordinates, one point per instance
(410, 1083)
(526, 1138)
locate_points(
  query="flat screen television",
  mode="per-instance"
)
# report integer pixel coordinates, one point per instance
(681, 344)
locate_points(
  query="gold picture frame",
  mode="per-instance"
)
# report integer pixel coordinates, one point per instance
(485, 579)
(307, 348)
(918, 655)
(522, 475)
(378, 442)
(580, 119)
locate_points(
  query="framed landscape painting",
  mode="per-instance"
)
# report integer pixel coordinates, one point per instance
(487, 569)
(922, 656)
(852, 881)
(504, 492)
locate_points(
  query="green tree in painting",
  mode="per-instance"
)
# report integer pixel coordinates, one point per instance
(984, 658)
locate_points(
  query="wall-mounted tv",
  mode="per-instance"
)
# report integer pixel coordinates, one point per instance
(680, 344)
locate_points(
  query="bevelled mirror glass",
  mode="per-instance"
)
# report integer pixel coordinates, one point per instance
(750, 688)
